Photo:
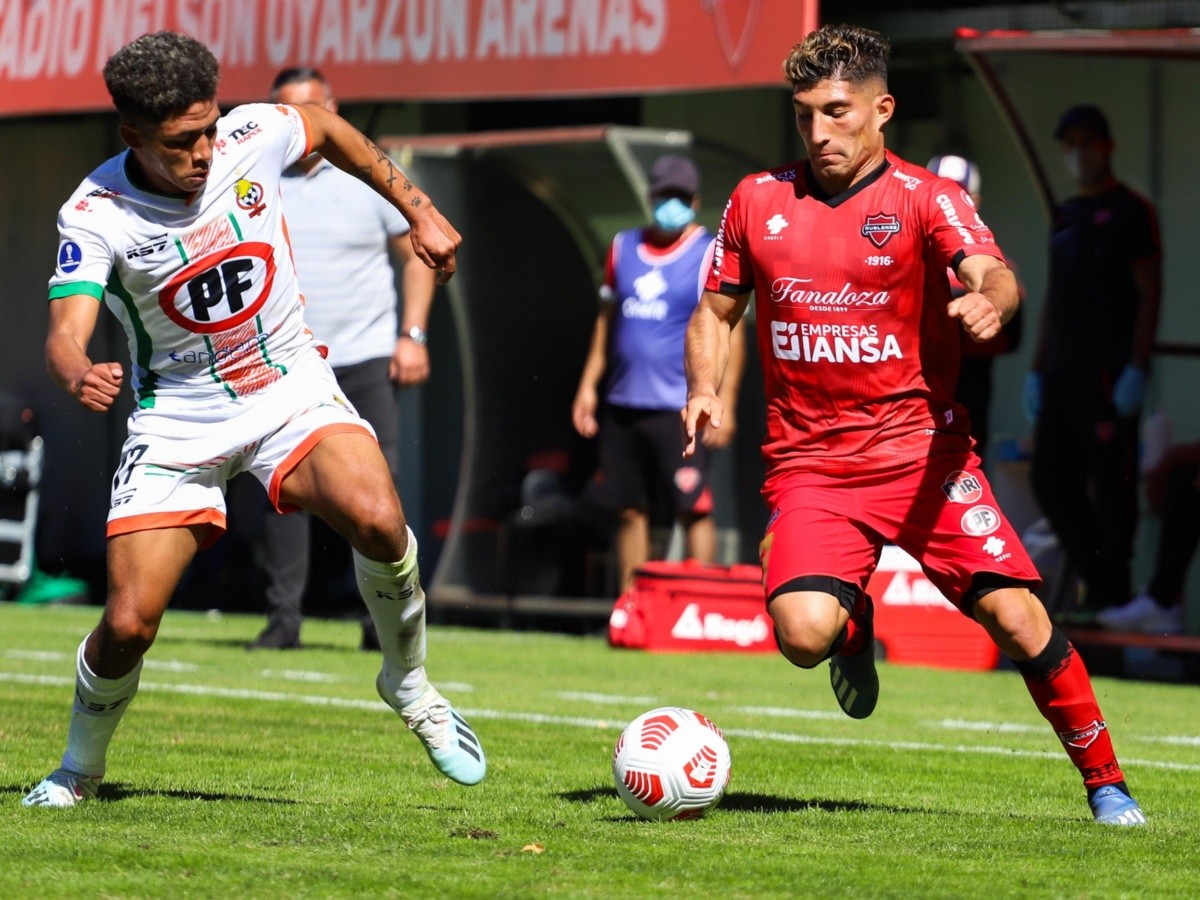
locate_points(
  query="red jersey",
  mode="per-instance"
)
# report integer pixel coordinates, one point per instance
(859, 356)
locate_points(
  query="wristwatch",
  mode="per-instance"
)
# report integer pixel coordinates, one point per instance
(417, 335)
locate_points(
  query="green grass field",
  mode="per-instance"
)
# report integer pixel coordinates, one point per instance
(282, 775)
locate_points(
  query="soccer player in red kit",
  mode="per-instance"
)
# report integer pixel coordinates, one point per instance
(846, 253)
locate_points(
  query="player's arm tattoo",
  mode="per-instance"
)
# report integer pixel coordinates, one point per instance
(364, 172)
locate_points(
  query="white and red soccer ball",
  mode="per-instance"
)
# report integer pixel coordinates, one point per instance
(671, 763)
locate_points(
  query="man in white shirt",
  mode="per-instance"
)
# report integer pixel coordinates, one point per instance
(341, 233)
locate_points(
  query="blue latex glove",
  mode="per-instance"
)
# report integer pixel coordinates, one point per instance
(1031, 396)
(1129, 393)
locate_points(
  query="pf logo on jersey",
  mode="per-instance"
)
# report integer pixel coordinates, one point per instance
(879, 228)
(980, 521)
(220, 290)
(962, 487)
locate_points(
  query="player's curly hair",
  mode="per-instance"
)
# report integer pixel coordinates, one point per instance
(838, 52)
(160, 75)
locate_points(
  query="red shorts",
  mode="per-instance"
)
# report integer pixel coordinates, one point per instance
(939, 510)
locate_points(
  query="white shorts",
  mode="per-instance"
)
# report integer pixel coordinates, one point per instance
(174, 466)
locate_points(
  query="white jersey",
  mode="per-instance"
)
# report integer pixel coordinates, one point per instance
(205, 285)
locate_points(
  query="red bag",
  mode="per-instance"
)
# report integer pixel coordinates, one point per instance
(693, 606)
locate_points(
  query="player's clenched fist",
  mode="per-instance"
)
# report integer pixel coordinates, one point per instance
(978, 315)
(436, 242)
(99, 386)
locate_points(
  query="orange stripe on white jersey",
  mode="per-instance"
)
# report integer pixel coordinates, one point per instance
(308, 142)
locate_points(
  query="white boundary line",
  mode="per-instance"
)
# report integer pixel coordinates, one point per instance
(589, 722)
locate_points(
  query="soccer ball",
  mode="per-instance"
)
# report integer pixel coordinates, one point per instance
(671, 763)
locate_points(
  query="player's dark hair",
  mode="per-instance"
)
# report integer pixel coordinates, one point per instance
(160, 75)
(297, 75)
(838, 52)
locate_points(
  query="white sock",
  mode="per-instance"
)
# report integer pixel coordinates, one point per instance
(99, 705)
(393, 594)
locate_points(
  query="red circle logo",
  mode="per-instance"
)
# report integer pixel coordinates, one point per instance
(220, 290)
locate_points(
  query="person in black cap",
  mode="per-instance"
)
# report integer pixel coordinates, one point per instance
(1087, 384)
(651, 286)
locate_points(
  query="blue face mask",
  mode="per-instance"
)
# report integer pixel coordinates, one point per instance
(672, 214)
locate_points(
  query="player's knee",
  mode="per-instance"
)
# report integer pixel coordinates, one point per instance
(1015, 620)
(803, 649)
(126, 629)
(804, 640)
(808, 618)
(378, 526)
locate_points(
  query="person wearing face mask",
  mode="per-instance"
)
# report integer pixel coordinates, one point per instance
(1086, 388)
(652, 283)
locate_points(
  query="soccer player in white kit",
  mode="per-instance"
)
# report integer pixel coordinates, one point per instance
(182, 237)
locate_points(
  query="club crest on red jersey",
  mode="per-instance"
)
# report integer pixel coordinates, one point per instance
(880, 227)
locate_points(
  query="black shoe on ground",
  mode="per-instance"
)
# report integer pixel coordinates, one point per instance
(275, 639)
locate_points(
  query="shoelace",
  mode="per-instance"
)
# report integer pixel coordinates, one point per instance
(429, 722)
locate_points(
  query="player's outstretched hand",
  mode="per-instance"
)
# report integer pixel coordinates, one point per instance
(436, 243)
(702, 410)
(100, 386)
(978, 316)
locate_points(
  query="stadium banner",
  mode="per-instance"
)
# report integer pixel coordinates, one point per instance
(52, 51)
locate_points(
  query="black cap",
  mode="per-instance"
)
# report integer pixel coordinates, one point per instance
(1083, 116)
(673, 174)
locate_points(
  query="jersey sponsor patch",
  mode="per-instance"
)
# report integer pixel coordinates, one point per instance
(962, 487)
(220, 290)
(147, 248)
(800, 292)
(801, 341)
(946, 205)
(980, 521)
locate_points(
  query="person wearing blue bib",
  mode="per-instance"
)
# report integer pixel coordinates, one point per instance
(653, 280)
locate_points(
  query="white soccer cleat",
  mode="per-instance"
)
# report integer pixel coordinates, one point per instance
(1144, 615)
(446, 736)
(62, 787)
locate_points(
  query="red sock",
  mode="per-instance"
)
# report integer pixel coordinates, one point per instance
(1059, 684)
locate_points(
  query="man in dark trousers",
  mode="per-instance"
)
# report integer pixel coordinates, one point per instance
(1088, 380)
